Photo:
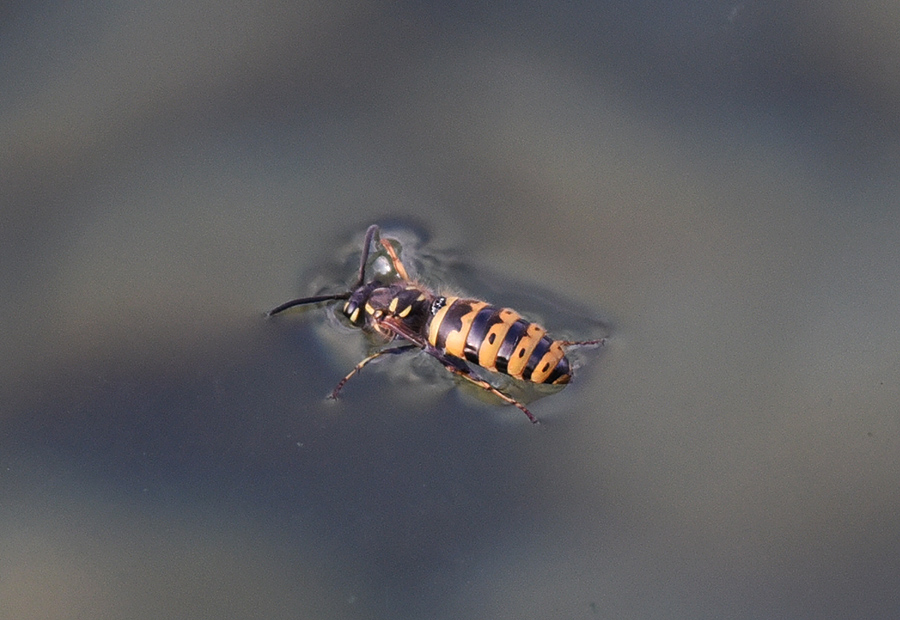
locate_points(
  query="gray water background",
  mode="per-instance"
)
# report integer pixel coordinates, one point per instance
(717, 180)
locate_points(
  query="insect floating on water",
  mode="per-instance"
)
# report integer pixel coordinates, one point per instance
(456, 331)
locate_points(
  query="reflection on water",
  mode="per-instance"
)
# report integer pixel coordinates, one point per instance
(719, 188)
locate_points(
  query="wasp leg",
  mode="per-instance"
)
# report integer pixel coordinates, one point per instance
(455, 365)
(469, 376)
(461, 369)
(395, 260)
(579, 343)
(358, 367)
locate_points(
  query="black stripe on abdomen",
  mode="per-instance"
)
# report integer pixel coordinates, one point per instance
(485, 319)
(510, 342)
(560, 370)
(536, 356)
(451, 322)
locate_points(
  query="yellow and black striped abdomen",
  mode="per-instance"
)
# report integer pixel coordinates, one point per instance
(498, 339)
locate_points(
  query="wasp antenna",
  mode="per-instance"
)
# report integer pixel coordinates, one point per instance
(307, 300)
(370, 233)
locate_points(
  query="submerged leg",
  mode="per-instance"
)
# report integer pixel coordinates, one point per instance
(358, 367)
(469, 376)
(577, 343)
(459, 368)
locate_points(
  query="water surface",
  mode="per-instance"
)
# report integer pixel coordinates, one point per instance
(716, 185)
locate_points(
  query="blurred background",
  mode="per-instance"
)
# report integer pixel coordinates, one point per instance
(718, 180)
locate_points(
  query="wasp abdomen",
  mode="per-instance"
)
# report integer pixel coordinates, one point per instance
(498, 339)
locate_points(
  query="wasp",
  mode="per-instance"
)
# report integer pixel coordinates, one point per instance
(454, 330)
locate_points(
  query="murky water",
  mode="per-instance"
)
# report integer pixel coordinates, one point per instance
(717, 186)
